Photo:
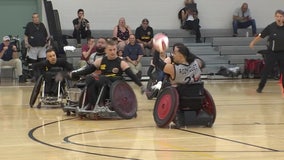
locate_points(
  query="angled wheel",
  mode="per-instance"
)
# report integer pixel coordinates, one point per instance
(166, 106)
(36, 90)
(209, 107)
(123, 99)
(83, 99)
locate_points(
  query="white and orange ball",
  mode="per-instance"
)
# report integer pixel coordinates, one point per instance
(161, 42)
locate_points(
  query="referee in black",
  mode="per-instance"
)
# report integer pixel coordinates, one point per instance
(275, 48)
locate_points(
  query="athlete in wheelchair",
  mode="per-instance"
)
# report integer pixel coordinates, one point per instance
(107, 95)
(185, 101)
(75, 92)
(50, 85)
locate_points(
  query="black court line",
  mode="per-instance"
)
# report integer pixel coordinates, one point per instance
(231, 140)
(66, 139)
(30, 134)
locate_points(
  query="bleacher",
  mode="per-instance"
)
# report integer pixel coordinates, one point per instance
(219, 47)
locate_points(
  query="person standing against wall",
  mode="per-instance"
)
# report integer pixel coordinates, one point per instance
(36, 39)
(275, 48)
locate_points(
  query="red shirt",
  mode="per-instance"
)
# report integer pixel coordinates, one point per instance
(85, 48)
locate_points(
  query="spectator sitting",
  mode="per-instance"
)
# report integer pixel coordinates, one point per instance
(133, 54)
(190, 20)
(242, 19)
(122, 32)
(81, 27)
(9, 57)
(100, 50)
(87, 50)
(182, 15)
(144, 35)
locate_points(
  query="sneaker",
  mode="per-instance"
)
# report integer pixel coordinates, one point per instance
(22, 79)
(235, 35)
(157, 86)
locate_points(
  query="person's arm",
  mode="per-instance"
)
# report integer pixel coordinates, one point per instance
(150, 69)
(15, 53)
(125, 67)
(139, 58)
(76, 23)
(129, 29)
(2, 50)
(236, 16)
(83, 71)
(126, 54)
(67, 66)
(254, 41)
(87, 52)
(160, 64)
(114, 33)
(38, 68)
(87, 23)
(137, 35)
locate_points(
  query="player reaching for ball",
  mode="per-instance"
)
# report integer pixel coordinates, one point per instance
(186, 67)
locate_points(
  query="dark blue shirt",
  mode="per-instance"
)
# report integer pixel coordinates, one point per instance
(8, 54)
(132, 51)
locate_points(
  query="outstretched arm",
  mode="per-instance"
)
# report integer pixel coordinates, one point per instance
(83, 71)
(159, 63)
(254, 41)
(125, 67)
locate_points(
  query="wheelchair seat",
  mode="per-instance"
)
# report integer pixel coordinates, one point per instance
(191, 96)
(187, 104)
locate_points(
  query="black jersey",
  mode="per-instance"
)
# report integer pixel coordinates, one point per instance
(45, 66)
(275, 35)
(111, 67)
(37, 34)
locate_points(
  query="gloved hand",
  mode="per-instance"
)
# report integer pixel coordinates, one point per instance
(59, 77)
(142, 89)
(157, 86)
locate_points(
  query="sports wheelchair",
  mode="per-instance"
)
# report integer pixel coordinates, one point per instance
(187, 104)
(116, 100)
(51, 98)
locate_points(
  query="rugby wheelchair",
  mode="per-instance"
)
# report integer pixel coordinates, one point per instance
(52, 95)
(187, 104)
(116, 100)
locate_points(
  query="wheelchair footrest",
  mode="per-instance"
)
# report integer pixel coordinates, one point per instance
(98, 112)
(197, 118)
(70, 108)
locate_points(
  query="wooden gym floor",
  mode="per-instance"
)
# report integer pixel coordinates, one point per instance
(248, 126)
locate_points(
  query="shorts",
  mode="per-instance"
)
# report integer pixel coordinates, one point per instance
(36, 52)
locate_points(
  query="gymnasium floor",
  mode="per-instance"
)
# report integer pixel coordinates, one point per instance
(248, 126)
